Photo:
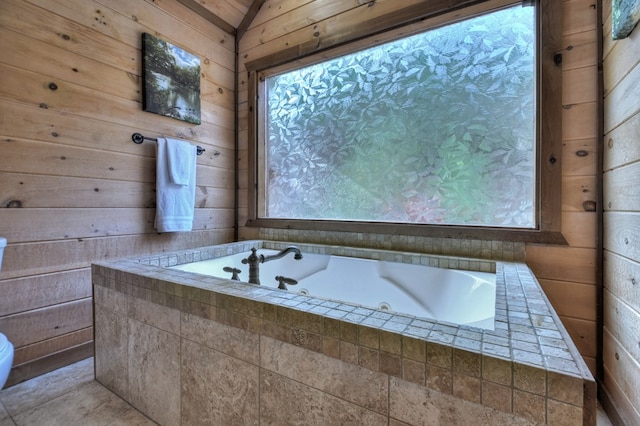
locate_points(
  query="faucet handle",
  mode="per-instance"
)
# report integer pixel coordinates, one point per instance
(234, 272)
(252, 257)
(284, 280)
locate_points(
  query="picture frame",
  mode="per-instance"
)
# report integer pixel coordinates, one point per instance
(171, 80)
(625, 16)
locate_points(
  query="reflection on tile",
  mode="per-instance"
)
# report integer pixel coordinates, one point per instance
(89, 404)
(30, 394)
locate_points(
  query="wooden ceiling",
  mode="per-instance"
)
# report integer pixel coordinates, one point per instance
(233, 16)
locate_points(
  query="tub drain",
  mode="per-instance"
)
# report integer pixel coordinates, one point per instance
(303, 291)
(384, 306)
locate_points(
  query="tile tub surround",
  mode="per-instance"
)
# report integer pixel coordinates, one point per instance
(188, 348)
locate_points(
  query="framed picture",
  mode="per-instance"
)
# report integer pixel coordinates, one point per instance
(626, 14)
(171, 80)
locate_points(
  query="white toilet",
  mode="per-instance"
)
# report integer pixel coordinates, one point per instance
(6, 348)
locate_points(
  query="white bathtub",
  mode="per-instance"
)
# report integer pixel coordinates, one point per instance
(460, 297)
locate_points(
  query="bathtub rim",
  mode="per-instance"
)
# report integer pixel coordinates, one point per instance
(374, 256)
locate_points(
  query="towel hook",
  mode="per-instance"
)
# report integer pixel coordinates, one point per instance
(138, 139)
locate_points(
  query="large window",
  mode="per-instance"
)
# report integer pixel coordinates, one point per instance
(438, 128)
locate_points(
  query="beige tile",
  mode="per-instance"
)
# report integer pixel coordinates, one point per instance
(414, 349)
(439, 379)
(497, 370)
(529, 379)
(349, 352)
(332, 327)
(529, 406)
(439, 355)
(110, 298)
(562, 414)
(390, 342)
(218, 389)
(154, 372)
(111, 348)
(32, 393)
(497, 396)
(331, 347)
(466, 362)
(305, 339)
(369, 358)
(565, 388)
(159, 316)
(390, 364)
(224, 338)
(413, 371)
(285, 401)
(307, 321)
(466, 387)
(341, 379)
(368, 337)
(349, 332)
(416, 405)
(238, 320)
(89, 404)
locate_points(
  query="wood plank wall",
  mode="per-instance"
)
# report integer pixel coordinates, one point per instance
(621, 334)
(74, 188)
(568, 274)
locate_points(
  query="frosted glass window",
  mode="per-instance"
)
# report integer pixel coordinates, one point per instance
(435, 128)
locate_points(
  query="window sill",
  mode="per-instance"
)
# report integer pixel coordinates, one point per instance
(434, 231)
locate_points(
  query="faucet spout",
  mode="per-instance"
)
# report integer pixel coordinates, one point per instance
(254, 261)
(283, 253)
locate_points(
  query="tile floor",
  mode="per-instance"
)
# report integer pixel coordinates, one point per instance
(70, 396)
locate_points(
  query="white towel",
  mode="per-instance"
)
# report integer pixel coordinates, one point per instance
(175, 185)
(180, 161)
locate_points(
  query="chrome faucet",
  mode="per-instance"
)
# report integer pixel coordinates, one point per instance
(255, 260)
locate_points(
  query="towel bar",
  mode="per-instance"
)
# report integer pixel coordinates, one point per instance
(138, 138)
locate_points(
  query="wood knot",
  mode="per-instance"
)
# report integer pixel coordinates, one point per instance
(589, 206)
(557, 59)
(14, 204)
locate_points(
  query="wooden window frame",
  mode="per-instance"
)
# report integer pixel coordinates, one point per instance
(401, 23)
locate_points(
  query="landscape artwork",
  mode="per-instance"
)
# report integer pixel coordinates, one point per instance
(171, 80)
(625, 17)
